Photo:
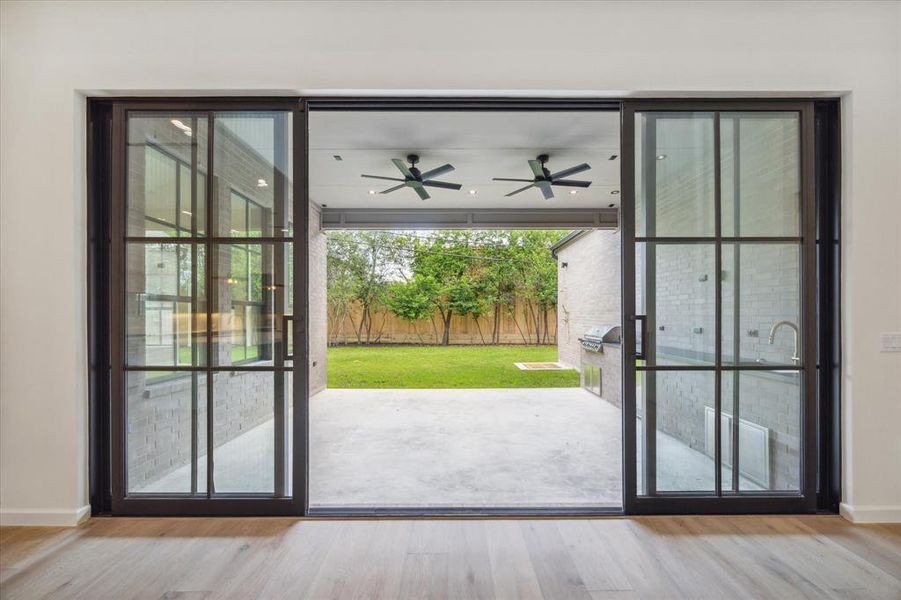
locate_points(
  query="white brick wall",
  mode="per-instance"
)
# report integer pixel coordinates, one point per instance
(588, 289)
(317, 299)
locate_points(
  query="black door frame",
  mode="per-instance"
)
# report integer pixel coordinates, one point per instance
(111, 328)
(718, 502)
(106, 185)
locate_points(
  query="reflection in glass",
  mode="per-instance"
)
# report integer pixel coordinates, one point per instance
(163, 200)
(680, 404)
(253, 292)
(761, 173)
(762, 283)
(245, 434)
(676, 289)
(252, 157)
(165, 304)
(674, 174)
(767, 430)
(159, 433)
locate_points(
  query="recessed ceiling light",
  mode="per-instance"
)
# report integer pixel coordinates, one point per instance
(661, 156)
(473, 192)
(613, 157)
(372, 191)
(262, 182)
(614, 192)
(573, 192)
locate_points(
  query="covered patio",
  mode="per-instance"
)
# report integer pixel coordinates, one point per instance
(453, 448)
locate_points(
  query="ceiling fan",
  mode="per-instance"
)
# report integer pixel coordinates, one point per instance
(544, 179)
(413, 178)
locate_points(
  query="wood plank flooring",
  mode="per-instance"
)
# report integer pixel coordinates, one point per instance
(622, 558)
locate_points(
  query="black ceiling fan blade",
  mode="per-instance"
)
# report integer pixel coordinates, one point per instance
(509, 179)
(423, 195)
(546, 189)
(385, 178)
(437, 172)
(394, 189)
(536, 168)
(571, 183)
(443, 184)
(402, 167)
(571, 171)
(522, 189)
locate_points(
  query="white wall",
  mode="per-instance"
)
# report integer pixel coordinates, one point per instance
(53, 53)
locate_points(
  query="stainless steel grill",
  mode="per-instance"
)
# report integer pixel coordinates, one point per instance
(594, 339)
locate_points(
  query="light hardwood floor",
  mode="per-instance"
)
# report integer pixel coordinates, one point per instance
(623, 558)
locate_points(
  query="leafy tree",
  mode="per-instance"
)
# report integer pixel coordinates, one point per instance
(465, 273)
(439, 264)
(368, 262)
(410, 301)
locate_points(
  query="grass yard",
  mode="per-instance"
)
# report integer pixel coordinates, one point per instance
(429, 367)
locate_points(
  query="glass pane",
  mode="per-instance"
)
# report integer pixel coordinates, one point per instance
(252, 159)
(252, 290)
(162, 148)
(165, 304)
(674, 174)
(676, 289)
(761, 173)
(767, 429)
(159, 431)
(680, 404)
(762, 285)
(244, 433)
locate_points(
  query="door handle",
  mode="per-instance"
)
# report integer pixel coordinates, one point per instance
(287, 324)
(641, 351)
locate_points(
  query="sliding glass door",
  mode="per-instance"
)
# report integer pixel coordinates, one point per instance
(207, 244)
(719, 336)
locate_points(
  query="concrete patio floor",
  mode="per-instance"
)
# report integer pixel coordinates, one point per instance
(464, 447)
(527, 447)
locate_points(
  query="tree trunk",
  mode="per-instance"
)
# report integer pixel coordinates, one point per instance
(358, 330)
(521, 334)
(367, 319)
(447, 325)
(496, 330)
(479, 327)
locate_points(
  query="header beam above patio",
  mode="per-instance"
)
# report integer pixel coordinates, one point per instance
(358, 218)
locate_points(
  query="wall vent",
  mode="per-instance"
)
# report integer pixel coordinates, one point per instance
(753, 447)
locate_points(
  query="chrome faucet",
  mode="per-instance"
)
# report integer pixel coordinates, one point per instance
(795, 358)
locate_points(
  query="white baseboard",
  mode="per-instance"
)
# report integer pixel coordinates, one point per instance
(870, 514)
(44, 516)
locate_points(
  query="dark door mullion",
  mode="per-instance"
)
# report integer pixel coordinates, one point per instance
(649, 337)
(736, 298)
(212, 301)
(194, 320)
(718, 310)
(808, 311)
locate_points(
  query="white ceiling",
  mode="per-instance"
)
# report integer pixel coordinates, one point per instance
(480, 145)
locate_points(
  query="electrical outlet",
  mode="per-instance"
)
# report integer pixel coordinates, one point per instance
(891, 342)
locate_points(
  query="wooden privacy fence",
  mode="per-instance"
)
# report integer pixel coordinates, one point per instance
(524, 325)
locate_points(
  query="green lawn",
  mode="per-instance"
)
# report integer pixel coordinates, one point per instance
(427, 367)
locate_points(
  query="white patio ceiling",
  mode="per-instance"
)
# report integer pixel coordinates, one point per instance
(480, 145)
